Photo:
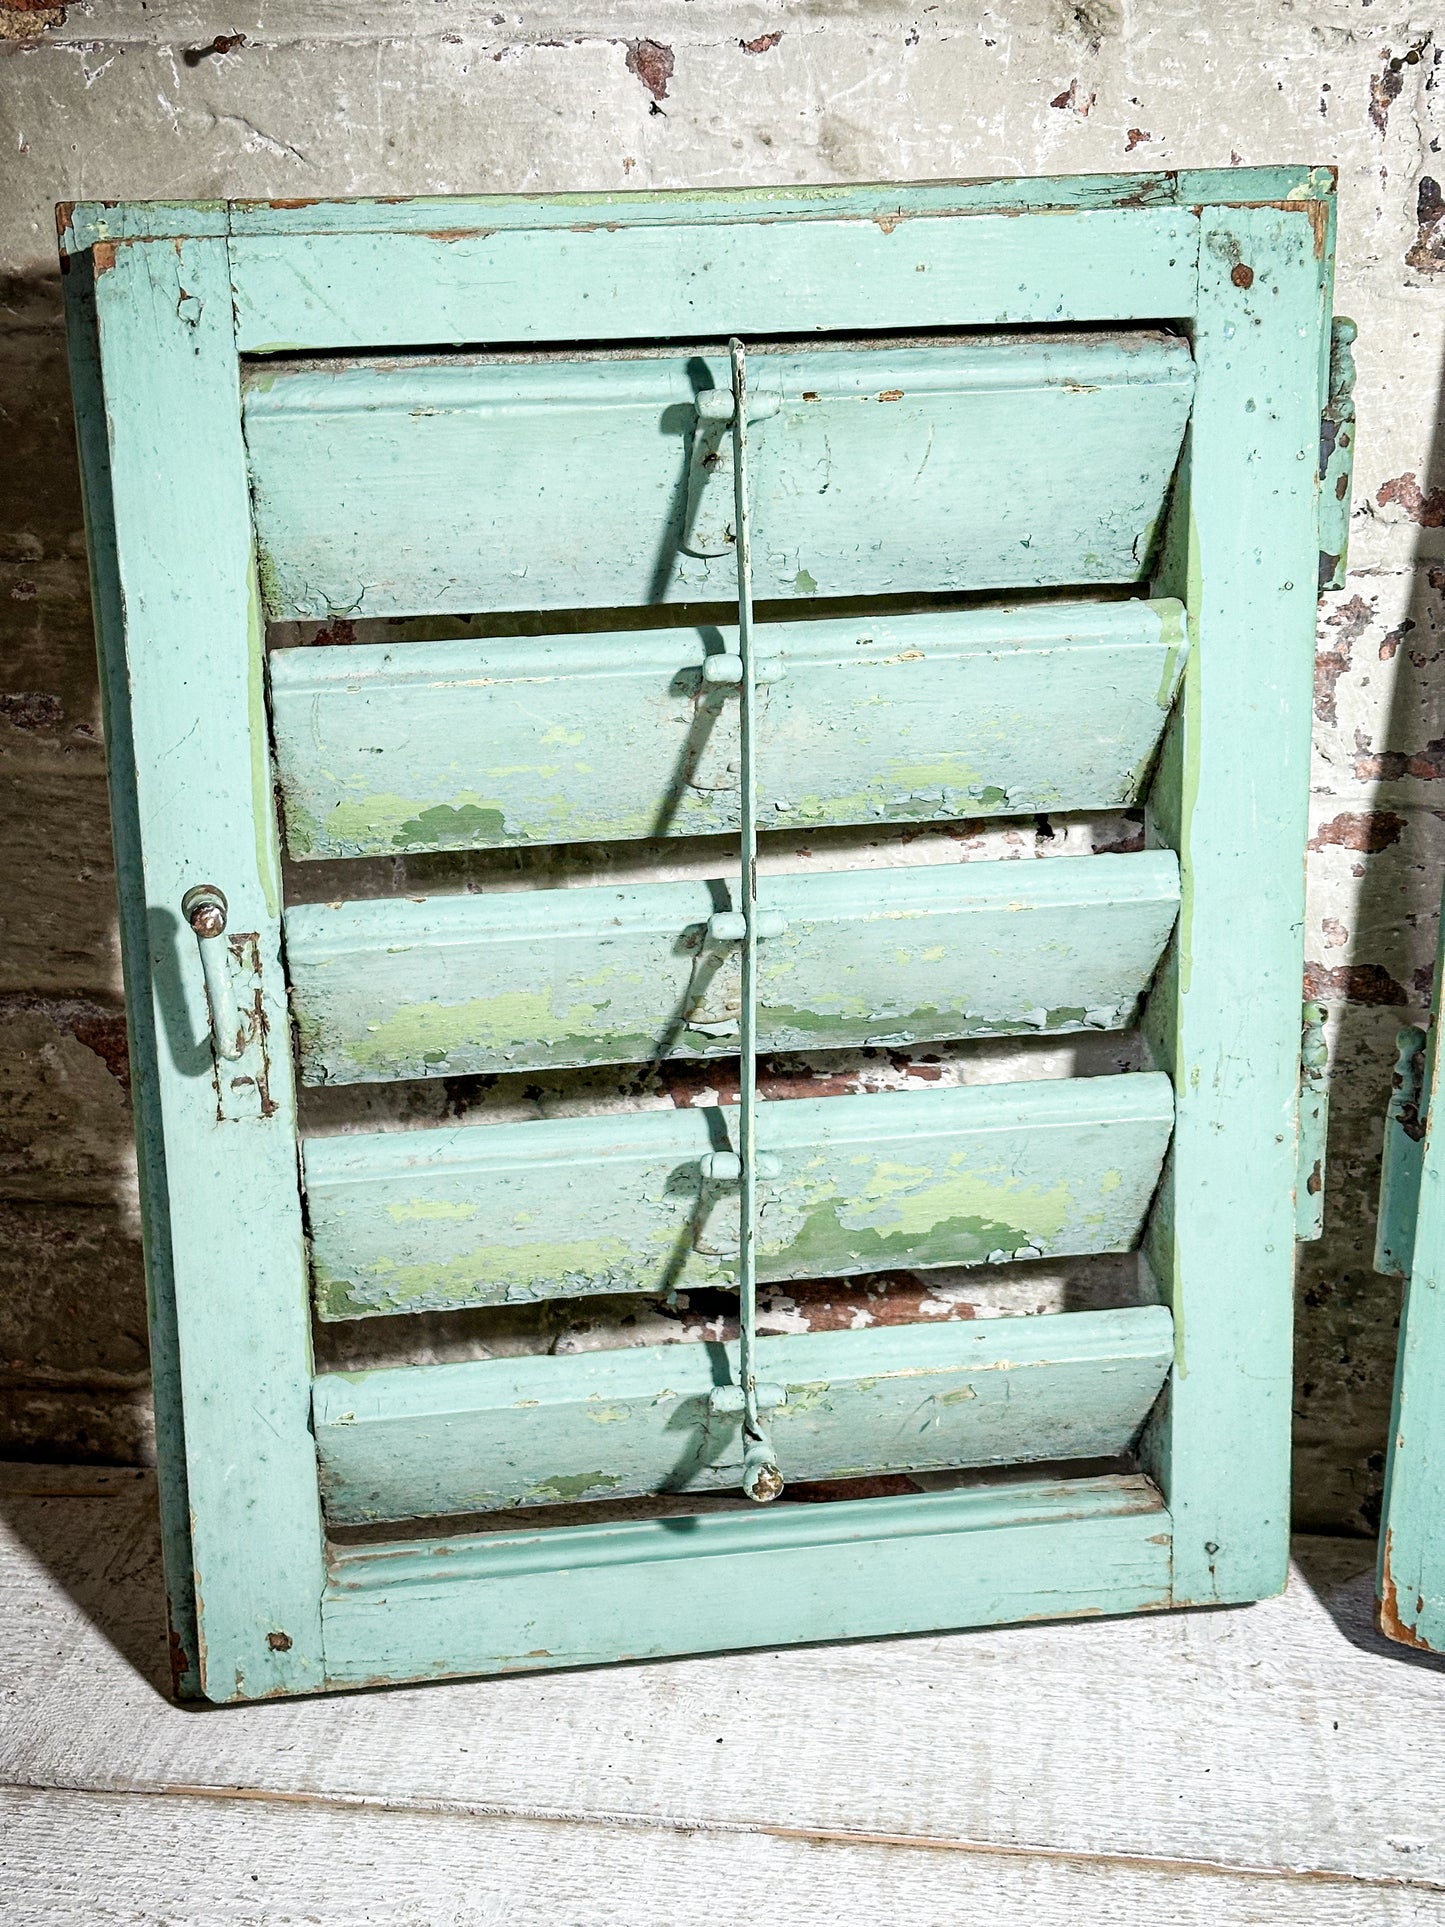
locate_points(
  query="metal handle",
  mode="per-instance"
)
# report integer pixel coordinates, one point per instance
(204, 909)
(1403, 1162)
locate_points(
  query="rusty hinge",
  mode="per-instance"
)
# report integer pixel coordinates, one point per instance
(1403, 1156)
(1337, 456)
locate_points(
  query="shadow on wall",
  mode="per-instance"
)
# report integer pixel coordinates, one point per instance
(73, 1382)
(1376, 865)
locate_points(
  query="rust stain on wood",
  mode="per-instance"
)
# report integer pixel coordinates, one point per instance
(1391, 1624)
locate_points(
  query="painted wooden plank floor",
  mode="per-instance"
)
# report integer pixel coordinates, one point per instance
(1265, 1764)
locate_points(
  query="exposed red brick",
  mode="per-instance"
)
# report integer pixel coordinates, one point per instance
(1367, 830)
(1332, 658)
(1390, 765)
(1384, 92)
(1404, 492)
(764, 43)
(653, 63)
(1391, 640)
(1352, 984)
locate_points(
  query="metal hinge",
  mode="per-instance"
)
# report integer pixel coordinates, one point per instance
(1404, 1156)
(1337, 456)
(1314, 1121)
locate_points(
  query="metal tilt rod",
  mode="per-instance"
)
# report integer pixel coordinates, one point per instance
(761, 1478)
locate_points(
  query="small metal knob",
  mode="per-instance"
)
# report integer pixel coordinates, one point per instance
(204, 909)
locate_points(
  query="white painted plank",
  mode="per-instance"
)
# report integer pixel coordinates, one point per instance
(81, 1860)
(1283, 1735)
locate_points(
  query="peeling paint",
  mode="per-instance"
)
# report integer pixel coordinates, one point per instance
(1392, 1623)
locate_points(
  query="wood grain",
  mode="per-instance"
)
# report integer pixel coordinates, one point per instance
(1006, 1767)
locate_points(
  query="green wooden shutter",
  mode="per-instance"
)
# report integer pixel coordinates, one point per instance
(1030, 473)
(1410, 1244)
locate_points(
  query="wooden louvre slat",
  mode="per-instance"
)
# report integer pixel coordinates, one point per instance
(466, 484)
(495, 1214)
(419, 746)
(445, 986)
(423, 1440)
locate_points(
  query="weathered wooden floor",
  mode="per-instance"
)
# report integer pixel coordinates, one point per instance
(1276, 1764)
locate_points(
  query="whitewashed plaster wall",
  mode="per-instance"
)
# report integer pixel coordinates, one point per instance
(167, 98)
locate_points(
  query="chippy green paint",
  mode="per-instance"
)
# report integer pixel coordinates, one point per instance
(259, 740)
(627, 977)
(918, 1397)
(244, 1466)
(369, 482)
(949, 1176)
(383, 748)
(567, 1489)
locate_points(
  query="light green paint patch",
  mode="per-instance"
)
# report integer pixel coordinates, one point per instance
(823, 1241)
(610, 1415)
(804, 583)
(890, 1178)
(1110, 1180)
(455, 1209)
(947, 773)
(778, 1020)
(376, 821)
(488, 1274)
(960, 1396)
(1169, 677)
(434, 1032)
(917, 1206)
(448, 824)
(563, 1489)
(804, 1398)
